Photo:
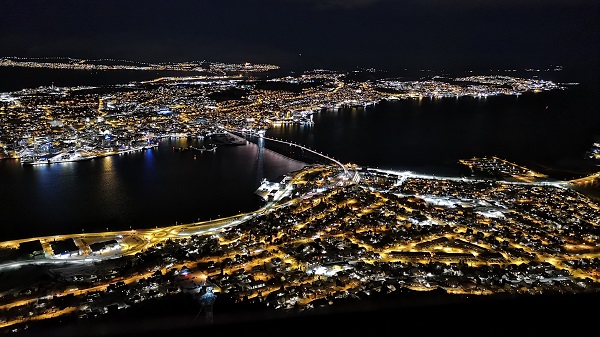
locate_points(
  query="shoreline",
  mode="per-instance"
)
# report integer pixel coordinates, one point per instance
(76, 159)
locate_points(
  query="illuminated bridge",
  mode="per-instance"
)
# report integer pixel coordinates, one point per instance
(261, 135)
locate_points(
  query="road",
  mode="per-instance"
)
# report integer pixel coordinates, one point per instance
(134, 241)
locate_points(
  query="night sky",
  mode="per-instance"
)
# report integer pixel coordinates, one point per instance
(334, 34)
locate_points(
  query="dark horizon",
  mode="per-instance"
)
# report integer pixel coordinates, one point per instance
(332, 34)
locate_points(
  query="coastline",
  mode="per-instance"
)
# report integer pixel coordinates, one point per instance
(73, 158)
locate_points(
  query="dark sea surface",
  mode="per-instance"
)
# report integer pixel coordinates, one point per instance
(548, 131)
(155, 187)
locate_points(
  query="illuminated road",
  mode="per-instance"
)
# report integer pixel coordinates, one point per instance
(134, 241)
(403, 175)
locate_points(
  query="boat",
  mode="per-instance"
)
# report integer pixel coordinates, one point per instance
(34, 161)
(62, 157)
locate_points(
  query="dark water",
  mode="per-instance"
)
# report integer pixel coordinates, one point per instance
(548, 131)
(142, 190)
(13, 79)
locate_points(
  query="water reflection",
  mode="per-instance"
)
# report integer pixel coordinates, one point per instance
(111, 193)
(149, 172)
(260, 160)
(141, 189)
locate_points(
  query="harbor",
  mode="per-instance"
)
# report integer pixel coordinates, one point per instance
(74, 156)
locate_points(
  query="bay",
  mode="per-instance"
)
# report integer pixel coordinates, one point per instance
(547, 131)
(155, 187)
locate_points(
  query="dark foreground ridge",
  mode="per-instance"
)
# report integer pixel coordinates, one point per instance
(428, 314)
